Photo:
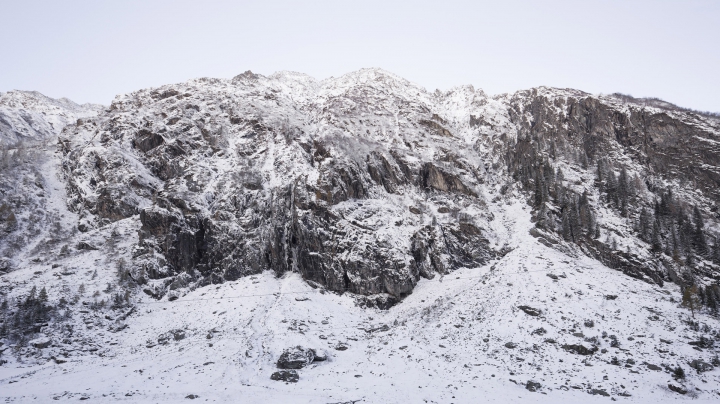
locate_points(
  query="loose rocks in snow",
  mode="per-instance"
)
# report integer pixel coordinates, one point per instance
(296, 358)
(290, 376)
(320, 356)
(176, 335)
(530, 311)
(539, 331)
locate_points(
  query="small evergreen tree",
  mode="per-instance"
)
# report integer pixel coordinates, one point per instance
(656, 241)
(43, 296)
(711, 301)
(645, 225)
(698, 233)
(691, 299)
(623, 192)
(539, 194)
(611, 189)
(566, 229)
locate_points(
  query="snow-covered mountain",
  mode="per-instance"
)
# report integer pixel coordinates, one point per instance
(373, 240)
(28, 116)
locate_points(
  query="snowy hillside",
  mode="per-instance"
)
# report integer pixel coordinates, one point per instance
(360, 239)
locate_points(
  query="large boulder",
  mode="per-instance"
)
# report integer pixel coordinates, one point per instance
(296, 358)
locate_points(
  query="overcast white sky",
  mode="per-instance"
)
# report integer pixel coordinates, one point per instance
(89, 51)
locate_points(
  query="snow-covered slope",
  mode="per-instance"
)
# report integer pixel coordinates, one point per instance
(545, 246)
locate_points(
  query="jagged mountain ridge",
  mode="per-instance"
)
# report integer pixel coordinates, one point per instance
(367, 182)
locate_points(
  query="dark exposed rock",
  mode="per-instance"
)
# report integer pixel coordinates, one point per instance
(146, 140)
(703, 342)
(85, 246)
(539, 331)
(178, 334)
(174, 335)
(579, 349)
(701, 366)
(435, 178)
(530, 311)
(677, 389)
(289, 376)
(382, 301)
(533, 385)
(598, 392)
(295, 358)
(320, 356)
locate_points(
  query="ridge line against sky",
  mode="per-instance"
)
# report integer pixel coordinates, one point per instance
(91, 51)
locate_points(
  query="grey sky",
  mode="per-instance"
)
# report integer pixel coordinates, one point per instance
(89, 51)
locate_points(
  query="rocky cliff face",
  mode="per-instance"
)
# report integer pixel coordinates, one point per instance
(365, 183)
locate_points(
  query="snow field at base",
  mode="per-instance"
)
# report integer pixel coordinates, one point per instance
(429, 348)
